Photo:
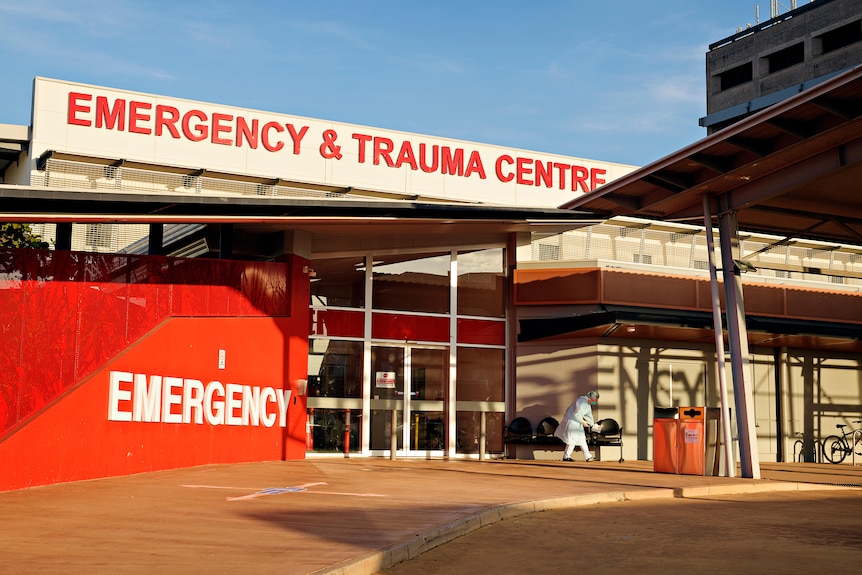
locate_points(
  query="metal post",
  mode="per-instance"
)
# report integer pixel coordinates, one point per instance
(853, 445)
(483, 420)
(309, 430)
(727, 437)
(393, 435)
(737, 336)
(346, 433)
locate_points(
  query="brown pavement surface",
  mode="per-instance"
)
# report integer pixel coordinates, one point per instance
(773, 532)
(357, 516)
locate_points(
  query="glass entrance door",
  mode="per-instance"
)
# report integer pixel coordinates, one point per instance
(429, 377)
(409, 384)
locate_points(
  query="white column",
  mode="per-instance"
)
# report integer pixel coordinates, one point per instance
(367, 376)
(726, 435)
(450, 397)
(737, 336)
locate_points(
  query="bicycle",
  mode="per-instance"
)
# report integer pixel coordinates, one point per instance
(836, 449)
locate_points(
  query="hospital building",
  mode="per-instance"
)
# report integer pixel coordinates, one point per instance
(228, 285)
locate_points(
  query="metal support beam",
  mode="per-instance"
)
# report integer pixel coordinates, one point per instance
(737, 336)
(795, 176)
(726, 435)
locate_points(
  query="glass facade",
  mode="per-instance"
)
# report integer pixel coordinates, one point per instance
(481, 372)
(482, 283)
(408, 351)
(334, 368)
(418, 283)
(339, 282)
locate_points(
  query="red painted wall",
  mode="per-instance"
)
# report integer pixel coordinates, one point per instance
(69, 320)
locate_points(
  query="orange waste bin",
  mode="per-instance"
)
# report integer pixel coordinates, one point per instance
(665, 444)
(680, 440)
(691, 440)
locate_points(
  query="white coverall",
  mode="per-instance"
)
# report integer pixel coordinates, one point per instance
(571, 429)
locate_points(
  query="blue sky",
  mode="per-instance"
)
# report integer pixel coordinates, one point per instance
(618, 81)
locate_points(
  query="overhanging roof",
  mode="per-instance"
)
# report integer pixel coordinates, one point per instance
(39, 204)
(692, 327)
(334, 225)
(792, 170)
(13, 141)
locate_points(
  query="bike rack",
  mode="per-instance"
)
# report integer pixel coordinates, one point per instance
(853, 445)
(798, 455)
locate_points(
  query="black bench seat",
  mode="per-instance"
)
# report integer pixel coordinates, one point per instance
(520, 432)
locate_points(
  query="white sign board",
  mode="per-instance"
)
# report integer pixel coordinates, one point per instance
(108, 123)
(385, 379)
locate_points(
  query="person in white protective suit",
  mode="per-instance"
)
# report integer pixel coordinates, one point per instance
(578, 416)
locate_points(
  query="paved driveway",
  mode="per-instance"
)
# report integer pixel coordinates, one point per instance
(785, 532)
(358, 516)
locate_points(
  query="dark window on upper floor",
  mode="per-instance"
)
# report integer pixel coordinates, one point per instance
(736, 76)
(786, 58)
(840, 37)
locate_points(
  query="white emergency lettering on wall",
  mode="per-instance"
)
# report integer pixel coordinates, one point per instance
(167, 399)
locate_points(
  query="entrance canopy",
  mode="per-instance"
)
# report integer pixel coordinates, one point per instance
(793, 170)
(334, 224)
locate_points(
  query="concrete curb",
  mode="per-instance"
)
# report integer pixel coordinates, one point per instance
(391, 555)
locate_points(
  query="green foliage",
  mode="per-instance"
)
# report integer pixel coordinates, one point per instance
(20, 236)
